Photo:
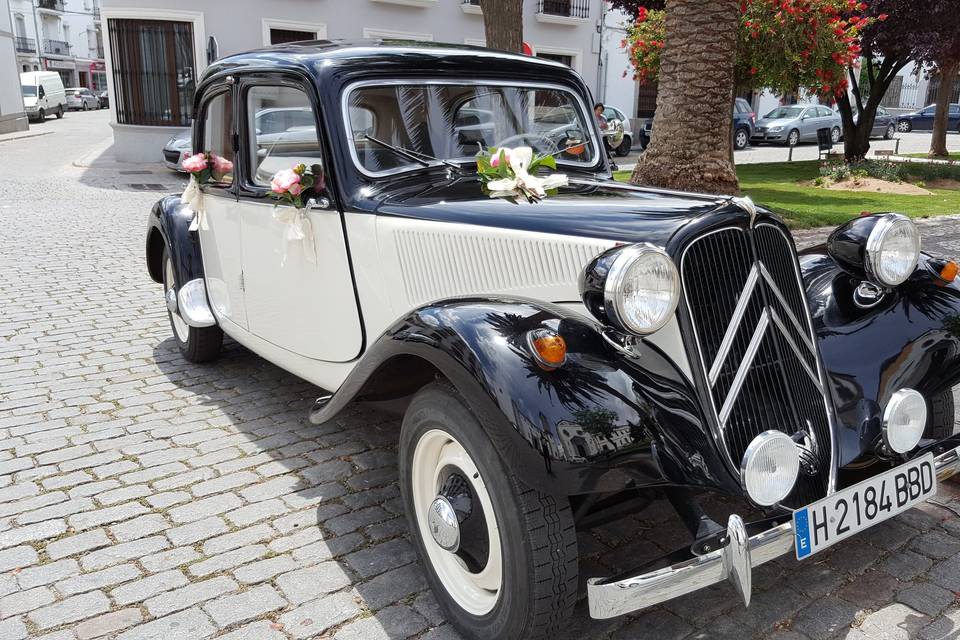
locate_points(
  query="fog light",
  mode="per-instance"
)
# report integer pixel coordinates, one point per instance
(904, 420)
(770, 467)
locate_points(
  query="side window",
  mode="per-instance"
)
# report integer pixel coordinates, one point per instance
(218, 136)
(954, 109)
(282, 129)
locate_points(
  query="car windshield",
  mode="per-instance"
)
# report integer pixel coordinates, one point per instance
(784, 112)
(453, 121)
(28, 91)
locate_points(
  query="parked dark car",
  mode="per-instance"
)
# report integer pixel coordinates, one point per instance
(884, 123)
(561, 361)
(104, 99)
(922, 119)
(744, 120)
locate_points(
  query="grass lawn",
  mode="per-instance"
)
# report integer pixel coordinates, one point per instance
(954, 155)
(776, 186)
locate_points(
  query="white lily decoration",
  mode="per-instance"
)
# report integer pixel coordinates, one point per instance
(193, 198)
(523, 182)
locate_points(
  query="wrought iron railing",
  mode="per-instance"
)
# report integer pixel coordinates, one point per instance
(56, 47)
(25, 45)
(566, 8)
(52, 5)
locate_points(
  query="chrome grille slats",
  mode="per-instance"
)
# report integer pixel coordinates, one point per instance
(768, 375)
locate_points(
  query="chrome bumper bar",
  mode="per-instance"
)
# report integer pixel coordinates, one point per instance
(734, 562)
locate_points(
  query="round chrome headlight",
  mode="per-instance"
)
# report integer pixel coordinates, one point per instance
(893, 249)
(904, 420)
(770, 467)
(641, 289)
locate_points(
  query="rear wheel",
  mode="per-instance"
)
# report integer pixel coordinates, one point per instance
(890, 132)
(59, 112)
(740, 139)
(501, 557)
(904, 126)
(625, 146)
(196, 344)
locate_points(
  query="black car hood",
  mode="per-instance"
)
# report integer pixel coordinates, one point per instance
(587, 207)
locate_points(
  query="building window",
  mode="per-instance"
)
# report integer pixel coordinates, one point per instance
(557, 57)
(281, 36)
(153, 71)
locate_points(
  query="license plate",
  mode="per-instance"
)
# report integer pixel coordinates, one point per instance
(843, 514)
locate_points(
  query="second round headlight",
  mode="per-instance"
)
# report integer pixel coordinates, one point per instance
(642, 289)
(770, 467)
(893, 250)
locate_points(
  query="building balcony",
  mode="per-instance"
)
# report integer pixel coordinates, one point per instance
(25, 45)
(56, 47)
(471, 6)
(54, 6)
(572, 12)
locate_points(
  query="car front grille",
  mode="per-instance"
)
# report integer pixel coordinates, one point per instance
(171, 156)
(756, 347)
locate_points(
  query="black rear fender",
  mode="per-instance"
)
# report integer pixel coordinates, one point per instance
(169, 226)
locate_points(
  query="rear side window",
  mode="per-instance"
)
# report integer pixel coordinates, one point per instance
(218, 136)
(282, 129)
(954, 109)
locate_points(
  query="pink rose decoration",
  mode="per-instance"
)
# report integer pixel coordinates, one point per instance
(283, 180)
(195, 163)
(221, 165)
(495, 160)
(295, 189)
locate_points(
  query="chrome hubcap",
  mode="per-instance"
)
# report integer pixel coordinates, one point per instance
(444, 526)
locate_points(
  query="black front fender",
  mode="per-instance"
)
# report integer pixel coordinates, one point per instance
(911, 338)
(603, 421)
(169, 226)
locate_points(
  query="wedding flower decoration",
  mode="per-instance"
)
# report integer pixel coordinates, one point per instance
(296, 185)
(202, 167)
(510, 173)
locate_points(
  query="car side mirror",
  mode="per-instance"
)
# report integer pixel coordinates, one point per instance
(804, 117)
(574, 142)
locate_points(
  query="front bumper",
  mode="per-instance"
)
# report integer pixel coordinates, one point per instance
(611, 597)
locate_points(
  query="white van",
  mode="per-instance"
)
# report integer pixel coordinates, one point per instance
(43, 94)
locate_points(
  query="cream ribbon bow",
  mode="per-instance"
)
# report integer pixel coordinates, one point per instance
(298, 229)
(524, 182)
(193, 198)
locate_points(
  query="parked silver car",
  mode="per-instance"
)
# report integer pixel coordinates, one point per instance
(81, 98)
(176, 149)
(612, 113)
(796, 123)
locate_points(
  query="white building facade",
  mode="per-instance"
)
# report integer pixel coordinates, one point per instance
(157, 49)
(63, 36)
(12, 117)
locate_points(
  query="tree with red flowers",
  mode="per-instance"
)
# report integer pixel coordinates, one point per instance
(716, 46)
(901, 32)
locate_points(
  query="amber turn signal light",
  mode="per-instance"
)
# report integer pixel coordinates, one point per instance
(548, 348)
(949, 271)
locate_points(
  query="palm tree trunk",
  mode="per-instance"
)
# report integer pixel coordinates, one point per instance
(503, 24)
(938, 144)
(691, 148)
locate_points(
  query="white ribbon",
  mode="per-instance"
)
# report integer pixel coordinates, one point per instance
(193, 198)
(298, 229)
(520, 159)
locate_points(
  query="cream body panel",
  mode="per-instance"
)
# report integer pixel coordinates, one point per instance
(299, 294)
(220, 243)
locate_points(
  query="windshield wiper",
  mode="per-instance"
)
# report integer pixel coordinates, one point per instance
(416, 156)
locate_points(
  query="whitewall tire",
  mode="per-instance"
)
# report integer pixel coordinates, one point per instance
(196, 344)
(501, 557)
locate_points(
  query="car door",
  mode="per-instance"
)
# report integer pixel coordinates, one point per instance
(299, 291)
(880, 122)
(809, 121)
(220, 231)
(954, 117)
(924, 120)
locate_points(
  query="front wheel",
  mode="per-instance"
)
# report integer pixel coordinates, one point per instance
(501, 557)
(793, 139)
(890, 132)
(196, 344)
(740, 139)
(943, 420)
(60, 113)
(41, 115)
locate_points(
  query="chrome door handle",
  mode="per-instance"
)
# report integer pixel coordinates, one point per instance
(319, 203)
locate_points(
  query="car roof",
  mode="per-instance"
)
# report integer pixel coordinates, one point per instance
(338, 61)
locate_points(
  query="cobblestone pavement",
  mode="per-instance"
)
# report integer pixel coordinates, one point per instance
(145, 498)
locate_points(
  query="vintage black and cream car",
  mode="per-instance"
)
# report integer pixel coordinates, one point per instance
(559, 359)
